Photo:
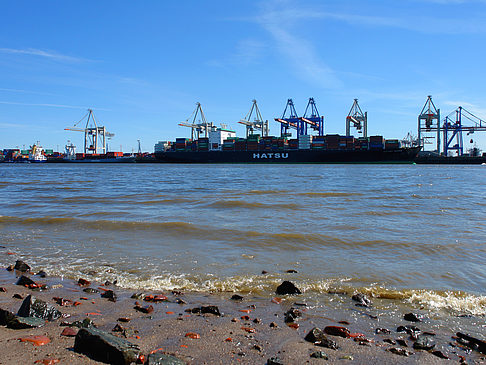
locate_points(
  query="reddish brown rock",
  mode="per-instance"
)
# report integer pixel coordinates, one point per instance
(337, 331)
(69, 332)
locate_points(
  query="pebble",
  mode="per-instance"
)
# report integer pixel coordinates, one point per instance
(412, 317)
(319, 355)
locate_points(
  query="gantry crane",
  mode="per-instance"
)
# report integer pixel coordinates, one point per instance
(292, 121)
(94, 137)
(312, 118)
(357, 119)
(453, 128)
(197, 128)
(429, 124)
(257, 123)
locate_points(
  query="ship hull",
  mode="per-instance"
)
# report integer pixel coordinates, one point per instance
(403, 155)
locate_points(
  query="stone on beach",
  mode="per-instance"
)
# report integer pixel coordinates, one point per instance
(25, 281)
(412, 317)
(292, 314)
(362, 300)
(163, 359)
(317, 337)
(110, 295)
(287, 287)
(12, 321)
(472, 342)
(337, 331)
(33, 307)
(424, 342)
(103, 346)
(21, 266)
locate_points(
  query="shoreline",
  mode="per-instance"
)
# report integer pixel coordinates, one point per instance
(251, 330)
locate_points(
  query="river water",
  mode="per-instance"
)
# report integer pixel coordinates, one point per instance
(409, 232)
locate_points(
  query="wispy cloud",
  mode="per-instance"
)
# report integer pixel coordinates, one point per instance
(43, 53)
(49, 105)
(277, 17)
(246, 52)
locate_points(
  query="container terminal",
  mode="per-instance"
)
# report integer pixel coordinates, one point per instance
(301, 140)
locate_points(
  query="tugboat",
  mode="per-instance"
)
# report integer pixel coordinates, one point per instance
(36, 154)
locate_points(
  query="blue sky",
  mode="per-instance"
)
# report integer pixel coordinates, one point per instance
(142, 66)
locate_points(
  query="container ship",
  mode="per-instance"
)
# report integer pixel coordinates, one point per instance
(222, 146)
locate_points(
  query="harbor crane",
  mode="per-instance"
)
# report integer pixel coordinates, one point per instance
(257, 123)
(454, 126)
(292, 121)
(94, 136)
(357, 119)
(313, 119)
(197, 128)
(429, 124)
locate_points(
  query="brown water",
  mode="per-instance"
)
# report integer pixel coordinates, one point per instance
(407, 232)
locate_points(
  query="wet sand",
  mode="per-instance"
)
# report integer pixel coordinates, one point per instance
(227, 339)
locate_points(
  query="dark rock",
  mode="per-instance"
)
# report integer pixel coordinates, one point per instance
(103, 346)
(319, 355)
(108, 283)
(42, 274)
(10, 268)
(17, 296)
(163, 359)
(412, 317)
(84, 282)
(21, 266)
(287, 288)
(3, 290)
(273, 325)
(147, 310)
(291, 315)
(472, 342)
(211, 309)
(402, 342)
(117, 328)
(32, 307)
(291, 271)
(390, 341)
(362, 300)
(180, 301)
(382, 330)
(337, 331)
(110, 295)
(25, 281)
(85, 323)
(18, 323)
(423, 343)
(137, 296)
(91, 290)
(399, 351)
(314, 335)
(236, 297)
(411, 330)
(274, 361)
(328, 343)
(258, 348)
(177, 292)
(264, 272)
(5, 317)
(439, 354)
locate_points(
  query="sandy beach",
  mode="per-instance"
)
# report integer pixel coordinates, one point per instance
(247, 330)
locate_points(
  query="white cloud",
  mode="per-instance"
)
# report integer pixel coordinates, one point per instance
(277, 17)
(42, 53)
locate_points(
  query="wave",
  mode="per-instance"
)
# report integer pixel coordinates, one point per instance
(250, 205)
(329, 194)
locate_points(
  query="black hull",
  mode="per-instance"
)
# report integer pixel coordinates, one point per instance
(403, 155)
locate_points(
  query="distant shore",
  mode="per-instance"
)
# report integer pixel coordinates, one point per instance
(249, 330)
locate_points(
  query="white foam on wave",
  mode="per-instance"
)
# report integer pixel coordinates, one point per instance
(456, 302)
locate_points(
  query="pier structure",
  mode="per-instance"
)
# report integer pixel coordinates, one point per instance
(258, 124)
(357, 119)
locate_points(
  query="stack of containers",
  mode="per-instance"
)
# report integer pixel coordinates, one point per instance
(376, 142)
(332, 141)
(279, 143)
(252, 143)
(240, 144)
(361, 144)
(305, 142)
(182, 144)
(392, 144)
(318, 143)
(266, 143)
(293, 144)
(229, 144)
(203, 144)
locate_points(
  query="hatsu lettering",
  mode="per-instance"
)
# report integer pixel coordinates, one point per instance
(270, 155)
